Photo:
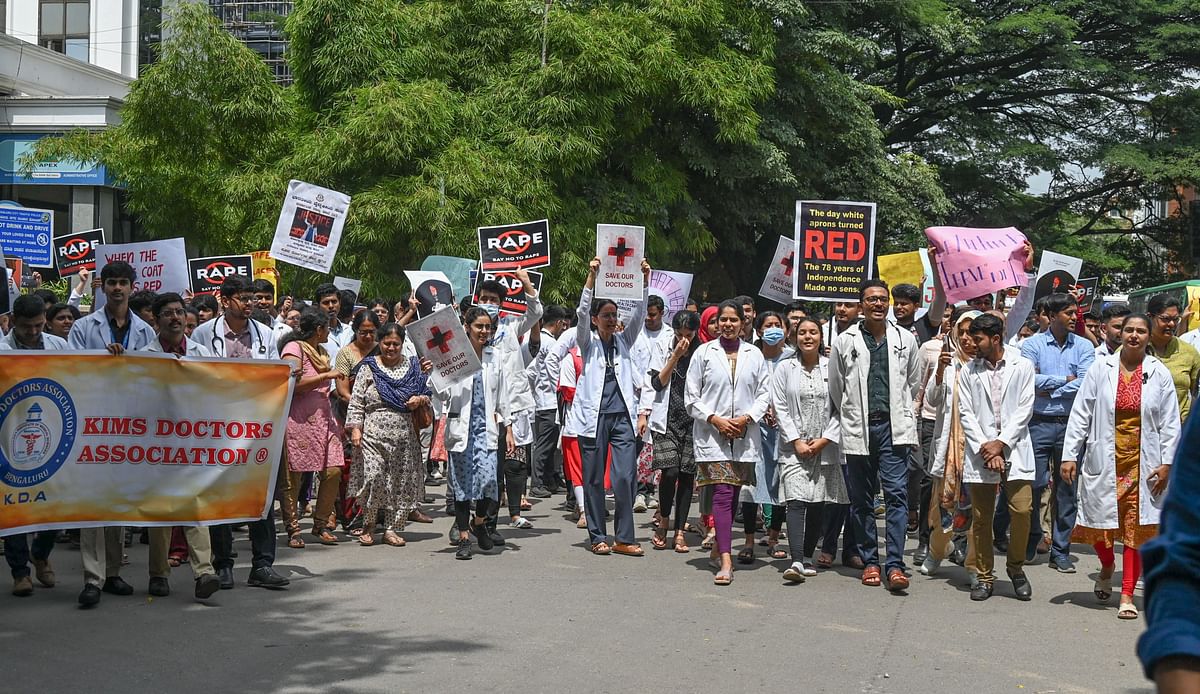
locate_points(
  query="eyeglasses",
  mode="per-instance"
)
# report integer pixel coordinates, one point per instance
(1168, 319)
(365, 333)
(875, 300)
(172, 312)
(244, 299)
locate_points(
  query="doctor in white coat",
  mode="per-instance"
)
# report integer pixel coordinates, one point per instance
(1127, 413)
(996, 403)
(604, 412)
(727, 396)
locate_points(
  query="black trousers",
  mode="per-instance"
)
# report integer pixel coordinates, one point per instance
(675, 491)
(512, 473)
(262, 535)
(542, 470)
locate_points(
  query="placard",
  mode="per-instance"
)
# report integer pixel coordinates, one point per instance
(778, 283)
(973, 262)
(901, 268)
(1056, 273)
(309, 229)
(515, 301)
(433, 291)
(9, 294)
(513, 246)
(673, 287)
(1085, 293)
(348, 284)
(459, 271)
(441, 338)
(264, 269)
(25, 233)
(835, 246)
(621, 250)
(208, 274)
(77, 251)
(161, 266)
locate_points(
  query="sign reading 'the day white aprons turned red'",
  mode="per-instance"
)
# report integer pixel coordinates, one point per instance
(208, 274)
(441, 338)
(525, 245)
(621, 250)
(77, 251)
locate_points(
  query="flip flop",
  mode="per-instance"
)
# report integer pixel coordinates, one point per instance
(601, 548)
(746, 556)
(1103, 589)
(681, 546)
(723, 578)
(825, 561)
(776, 553)
(1128, 611)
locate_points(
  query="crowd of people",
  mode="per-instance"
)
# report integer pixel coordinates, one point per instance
(967, 430)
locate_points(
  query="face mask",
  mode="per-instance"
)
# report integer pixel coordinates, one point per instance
(772, 336)
(492, 310)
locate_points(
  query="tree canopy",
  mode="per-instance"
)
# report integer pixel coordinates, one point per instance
(702, 120)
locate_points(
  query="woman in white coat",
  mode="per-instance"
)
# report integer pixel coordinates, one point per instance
(1128, 415)
(810, 459)
(726, 396)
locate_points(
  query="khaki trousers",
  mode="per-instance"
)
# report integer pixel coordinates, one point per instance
(199, 551)
(101, 550)
(1020, 508)
(327, 492)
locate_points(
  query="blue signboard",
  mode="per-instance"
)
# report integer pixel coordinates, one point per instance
(26, 234)
(60, 172)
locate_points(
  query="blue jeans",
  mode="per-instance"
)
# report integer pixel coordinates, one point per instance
(16, 550)
(612, 430)
(1047, 436)
(887, 465)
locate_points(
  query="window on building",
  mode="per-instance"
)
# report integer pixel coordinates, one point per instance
(64, 27)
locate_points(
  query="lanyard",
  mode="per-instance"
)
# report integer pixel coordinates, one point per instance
(128, 329)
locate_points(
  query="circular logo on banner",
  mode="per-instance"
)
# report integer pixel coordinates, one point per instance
(77, 249)
(38, 425)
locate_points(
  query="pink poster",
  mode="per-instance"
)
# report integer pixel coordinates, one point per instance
(974, 262)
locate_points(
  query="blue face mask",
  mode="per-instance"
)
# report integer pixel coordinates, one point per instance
(492, 310)
(772, 336)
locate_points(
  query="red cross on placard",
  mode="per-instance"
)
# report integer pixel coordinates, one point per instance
(787, 263)
(440, 340)
(620, 251)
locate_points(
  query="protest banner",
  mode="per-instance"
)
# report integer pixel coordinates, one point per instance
(348, 284)
(264, 269)
(441, 338)
(901, 268)
(458, 271)
(974, 262)
(194, 441)
(514, 300)
(1056, 273)
(778, 284)
(621, 250)
(77, 251)
(208, 274)
(433, 291)
(834, 249)
(161, 266)
(674, 289)
(525, 245)
(309, 229)
(1085, 293)
(25, 233)
(927, 283)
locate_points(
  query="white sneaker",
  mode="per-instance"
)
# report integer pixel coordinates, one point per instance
(639, 503)
(930, 566)
(794, 573)
(808, 568)
(652, 502)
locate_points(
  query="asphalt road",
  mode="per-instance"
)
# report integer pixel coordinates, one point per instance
(544, 615)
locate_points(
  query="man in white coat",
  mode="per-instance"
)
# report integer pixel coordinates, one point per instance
(874, 376)
(996, 395)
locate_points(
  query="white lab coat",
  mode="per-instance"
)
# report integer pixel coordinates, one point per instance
(710, 390)
(784, 389)
(941, 398)
(979, 417)
(586, 408)
(849, 363)
(92, 332)
(211, 335)
(1093, 422)
(455, 402)
(193, 348)
(50, 342)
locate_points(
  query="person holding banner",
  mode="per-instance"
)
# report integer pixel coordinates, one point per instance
(116, 329)
(388, 470)
(874, 376)
(604, 413)
(169, 315)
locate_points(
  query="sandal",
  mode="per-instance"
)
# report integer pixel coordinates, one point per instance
(326, 537)
(659, 540)
(601, 548)
(709, 539)
(1127, 611)
(870, 576)
(680, 545)
(296, 542)
(1103, 587)
(746, 556)
(393, 539)
(366, 540)
(824, 561)
(525, 505)
(775, 552)
(723, 578)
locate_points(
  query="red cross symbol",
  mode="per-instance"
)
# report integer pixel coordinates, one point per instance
(620, 251)
(440, 340)
(787, 263)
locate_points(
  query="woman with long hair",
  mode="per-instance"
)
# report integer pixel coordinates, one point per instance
(727, 397)
(313, 436)
(60, 318)
(1127, 414)
(365, 325)
(388, 472)
(674, 454)
(764, 490)
(810, 457)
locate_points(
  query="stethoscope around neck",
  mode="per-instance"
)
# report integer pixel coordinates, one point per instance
(218, 339)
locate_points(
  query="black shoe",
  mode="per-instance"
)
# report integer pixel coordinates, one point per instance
(117, 586)
(1001, 546)
(920, 554)
(159, 587)
(89, 596)
(206, 585)
(266, 577)
(981, 592)
(481, 534)
(1021, 586)
(539, 493)
(225, 578)
(464, 549)
(497, 538)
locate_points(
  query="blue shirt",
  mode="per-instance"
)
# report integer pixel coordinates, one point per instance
(1054, 363)
(1172, 561)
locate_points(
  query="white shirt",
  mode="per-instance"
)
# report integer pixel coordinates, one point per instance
(1192, 337)
(545, 381)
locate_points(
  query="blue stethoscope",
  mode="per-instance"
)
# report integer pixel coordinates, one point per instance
(217, 339)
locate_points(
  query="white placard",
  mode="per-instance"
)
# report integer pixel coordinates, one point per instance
(161, 266)
(348, 283)
(432, 289)
(621, 250)
(1056, 273)
(777, 285)
(441, 338)
(309, 230)
(673, 287)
